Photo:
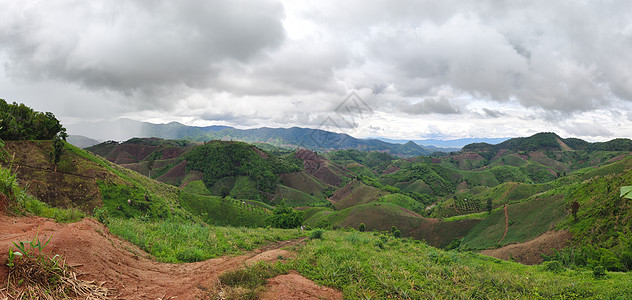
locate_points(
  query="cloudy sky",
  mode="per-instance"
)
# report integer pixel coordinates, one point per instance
(420, 69)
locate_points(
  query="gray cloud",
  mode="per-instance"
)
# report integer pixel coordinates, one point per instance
(492, 113)
(132, 47)
(429, 106)
(264, 62)
(587, 130)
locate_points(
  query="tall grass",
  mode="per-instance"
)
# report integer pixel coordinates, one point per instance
(177, 241)
(376, 266)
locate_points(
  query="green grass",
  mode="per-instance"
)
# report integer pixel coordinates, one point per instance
(294, 197)
(376, 266)
(527, 220)
(224, 211)
(177, 241)
(196, 187)
(474, 216)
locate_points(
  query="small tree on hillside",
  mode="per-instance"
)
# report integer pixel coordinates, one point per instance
(58, 150)
(395, 232)
(575, 209)
(489, 205)
(285, 217)
(150, 165)
(362, 227)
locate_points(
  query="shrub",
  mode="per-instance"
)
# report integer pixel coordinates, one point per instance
(316, 234)
(395, 232)
(552, 266)
(362, 227)
(285, 217)
(599, 272)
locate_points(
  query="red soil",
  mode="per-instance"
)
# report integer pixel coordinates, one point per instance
(390, 170)
(177, 172)
(316, 166)
(128, 271)
(295, 286)
(529, 252)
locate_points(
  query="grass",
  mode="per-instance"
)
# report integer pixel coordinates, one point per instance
(376, 266)
(196, 187)
(224, 211)
(527, 220)
(177, 241)
(246, 283)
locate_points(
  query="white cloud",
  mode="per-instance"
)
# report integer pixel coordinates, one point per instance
(469, 68)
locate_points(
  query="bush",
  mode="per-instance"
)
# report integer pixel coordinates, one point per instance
(395, 232)
(316, 234)
(362, 227)
(285, 217)
(599, 272)
(552, 266)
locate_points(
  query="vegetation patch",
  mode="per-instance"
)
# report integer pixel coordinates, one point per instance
(378, 266)
(185, 241)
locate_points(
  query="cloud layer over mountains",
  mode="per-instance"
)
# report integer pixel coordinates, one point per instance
(426, 68)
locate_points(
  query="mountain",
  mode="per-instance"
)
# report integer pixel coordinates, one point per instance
(447, 145)
(294, 137)
(81, 141)
(549, 141)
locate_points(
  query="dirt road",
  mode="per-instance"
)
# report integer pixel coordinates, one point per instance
(130, 272)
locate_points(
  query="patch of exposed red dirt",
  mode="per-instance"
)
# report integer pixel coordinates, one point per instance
(100, 256)
(175, 174)
(390, 170)
(529, 252)
(317, 166)
(295, 286)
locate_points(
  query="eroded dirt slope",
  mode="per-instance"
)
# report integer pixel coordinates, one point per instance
(100, 256)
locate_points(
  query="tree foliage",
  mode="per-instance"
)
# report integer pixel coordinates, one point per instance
(285, 217)
(20, 122)
(218, 160)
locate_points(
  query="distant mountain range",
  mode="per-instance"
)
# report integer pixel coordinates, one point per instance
(294, 137)
(549, 141)
(449, 145)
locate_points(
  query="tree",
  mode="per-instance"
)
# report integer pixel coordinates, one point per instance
(58, 151)
(395, 232)
(489, 205)
(150, 165)
(284, 216)
(575, 209)
(362, 227)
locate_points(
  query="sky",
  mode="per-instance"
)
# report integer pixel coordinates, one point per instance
(395, 69)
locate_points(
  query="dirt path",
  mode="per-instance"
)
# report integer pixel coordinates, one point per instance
(528, 253)
(101, 256)
(293, 286)
(506, 224)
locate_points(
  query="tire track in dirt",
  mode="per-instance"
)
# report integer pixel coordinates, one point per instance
(100, 256)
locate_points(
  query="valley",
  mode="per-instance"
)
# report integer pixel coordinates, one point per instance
(360, 223)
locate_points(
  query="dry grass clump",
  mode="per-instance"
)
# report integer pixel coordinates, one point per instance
(34, 275)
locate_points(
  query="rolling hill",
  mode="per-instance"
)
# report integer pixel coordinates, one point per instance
(313, 139)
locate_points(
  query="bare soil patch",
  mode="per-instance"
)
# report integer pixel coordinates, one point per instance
(100, 256)
(294, 286)
(529, 252)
